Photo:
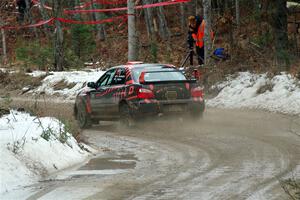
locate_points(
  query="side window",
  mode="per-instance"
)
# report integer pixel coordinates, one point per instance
(119, 77)
(106, 78)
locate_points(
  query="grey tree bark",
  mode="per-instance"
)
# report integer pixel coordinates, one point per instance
(27, 10)
(45, 16)
(4, 46)
(43, 12)
(132, 34)
(183, 21)
(237, 13)
(191, 7)
(208, 28)
(58, 36)
(4, 49)
(101, 35)
(199, 7)
(163, 25)
(148, 12)
(279, 28)
(29, 16)
(149, 18)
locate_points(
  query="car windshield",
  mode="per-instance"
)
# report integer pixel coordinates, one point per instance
(153, 74)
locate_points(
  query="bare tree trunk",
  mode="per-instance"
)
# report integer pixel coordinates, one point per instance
(150, 30)
(198, 7)
(163, 25)
(191, 8)
(101, 35)
(149, 19)
(4, 60)
(132, 34)
(59, 37)
(183, 17)
(207, 38)
(29, 16)
(4, 47)
(219, 6)
(43, 12)
(279, 28)
(27, 10)
(237, 13)
(45, 16)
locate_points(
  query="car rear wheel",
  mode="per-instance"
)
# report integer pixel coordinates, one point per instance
(126, 119)
(83, 118)
(196, 115)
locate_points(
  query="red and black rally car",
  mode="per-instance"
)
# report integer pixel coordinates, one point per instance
(136, 91)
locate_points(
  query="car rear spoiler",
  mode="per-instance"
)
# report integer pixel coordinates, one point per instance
(177, 81)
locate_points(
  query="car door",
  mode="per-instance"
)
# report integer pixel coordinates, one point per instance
(99, 100)
(117, 86)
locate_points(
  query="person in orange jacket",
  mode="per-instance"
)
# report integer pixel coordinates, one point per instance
(196, 36)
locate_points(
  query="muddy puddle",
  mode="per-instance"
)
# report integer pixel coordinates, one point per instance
(127, 161)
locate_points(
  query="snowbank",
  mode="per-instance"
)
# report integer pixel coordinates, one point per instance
(278, 94)
(33, 147)
(71, 82)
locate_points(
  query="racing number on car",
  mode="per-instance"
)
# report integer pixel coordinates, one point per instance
(131, 90)
(123, 93)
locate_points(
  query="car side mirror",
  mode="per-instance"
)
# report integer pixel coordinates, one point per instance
(92, 85)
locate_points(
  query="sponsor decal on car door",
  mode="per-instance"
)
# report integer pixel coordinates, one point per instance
(99, 98)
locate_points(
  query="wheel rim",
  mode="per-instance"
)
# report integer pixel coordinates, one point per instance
(81, 118)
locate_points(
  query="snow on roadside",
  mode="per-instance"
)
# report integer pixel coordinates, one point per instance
(256, 91)
(33, 147)
(74, 80)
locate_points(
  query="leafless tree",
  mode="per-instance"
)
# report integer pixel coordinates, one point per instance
(183, 17)
(279, 27)
(208, 28)
(163, 25)
(149, 19)
(132, 34)
(99, 27)
(58, 36)
(237, 13)
(3, 44)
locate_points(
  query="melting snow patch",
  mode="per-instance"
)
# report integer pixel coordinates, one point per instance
(278, 94)
(75, 79)
(31, 147)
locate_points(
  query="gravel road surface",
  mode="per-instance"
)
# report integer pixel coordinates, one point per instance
(229, 154)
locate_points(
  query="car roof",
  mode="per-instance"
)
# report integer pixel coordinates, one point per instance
(136, 66)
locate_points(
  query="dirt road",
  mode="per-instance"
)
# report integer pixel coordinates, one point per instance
(230, 154)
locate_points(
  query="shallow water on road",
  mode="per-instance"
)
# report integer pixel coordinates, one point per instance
(118, 162)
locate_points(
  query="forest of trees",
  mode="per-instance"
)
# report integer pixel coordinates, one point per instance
(253, 32)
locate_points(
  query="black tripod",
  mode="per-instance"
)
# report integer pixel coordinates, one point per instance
(190, 55)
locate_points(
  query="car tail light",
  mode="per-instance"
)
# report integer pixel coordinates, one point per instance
(145, 93)
(197, 92)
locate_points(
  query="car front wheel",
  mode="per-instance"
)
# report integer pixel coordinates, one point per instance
(83, 118)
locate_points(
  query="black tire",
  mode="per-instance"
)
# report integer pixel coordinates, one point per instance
(126, 119)
(83, 118)
(196, 115)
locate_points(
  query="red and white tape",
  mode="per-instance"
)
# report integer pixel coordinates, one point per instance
(69, 21)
